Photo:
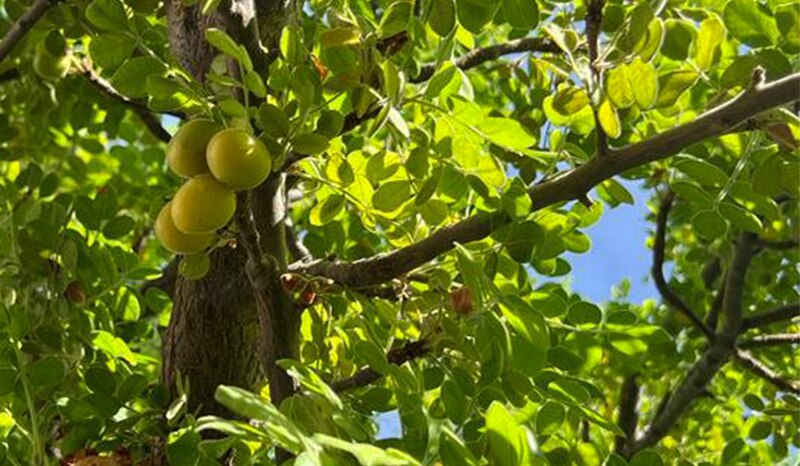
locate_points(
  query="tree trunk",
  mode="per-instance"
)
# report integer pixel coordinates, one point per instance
(220, 330)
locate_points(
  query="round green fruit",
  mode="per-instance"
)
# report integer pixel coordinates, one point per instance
(49, 66)
(175, 240)
(238, 159)
(203, 205)
(186, 153)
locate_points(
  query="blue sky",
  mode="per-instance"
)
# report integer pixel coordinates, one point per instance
(619, 251)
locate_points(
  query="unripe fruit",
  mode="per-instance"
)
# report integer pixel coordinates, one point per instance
(203, 205)
(238, 159)
(186, 153)
(49, 66)
(175, 240)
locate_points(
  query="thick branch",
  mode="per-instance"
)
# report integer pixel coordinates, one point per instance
(774, 339)
(779, 245)
(628, 413)
(23, 25)
(148, 118)
(779, 314)
(569, 185)
(397, 356)
(721, 350)
(477, 57)
(663, 287)
(762, 370)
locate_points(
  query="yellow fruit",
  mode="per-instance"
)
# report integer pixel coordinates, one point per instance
(238, 159)
(203, 205)
(176, 240)
(186, 153)
(49, 66)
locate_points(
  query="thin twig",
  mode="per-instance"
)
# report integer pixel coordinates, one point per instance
(397, 356)
(23, 25)
(771, 340)
(594, 18)
(762, 370)
(663, 287)
(148, 118)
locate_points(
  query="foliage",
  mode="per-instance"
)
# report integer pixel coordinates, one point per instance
(393, 120)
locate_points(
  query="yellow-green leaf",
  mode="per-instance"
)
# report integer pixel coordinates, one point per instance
(609, 119)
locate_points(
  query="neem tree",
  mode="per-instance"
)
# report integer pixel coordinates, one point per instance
(363, 235)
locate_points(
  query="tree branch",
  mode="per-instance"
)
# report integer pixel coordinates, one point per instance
(720, 351)
(779, 314)
(23, 25)
(657, 270)
(762, 370)
(628, 413)
(397, 356)
(148, 118)
(771, 340)
(778, 245)
(568, 185)
(477, 57)
(594, 18)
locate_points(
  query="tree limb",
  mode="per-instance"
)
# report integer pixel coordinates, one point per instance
(779, 245)
(148, 118)
(397, 356)
(657, 270)
(23, 25)
(771, 340)
(568, 185)
(594, 18)
(720, 351)
(762, 370)
(628, 413)
(779, 314)
(477, 57)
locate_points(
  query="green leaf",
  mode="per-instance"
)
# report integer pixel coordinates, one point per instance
(617, 191)
(672, 85)
(678, 39)
(272, 120)
(760, 430)
(475, 14)
(583, 312)
(646, 458)
(118, 227)
(506, 132)
(570, 99)
(221, 41)
(309, 143)
(247, 404)
(113, 346)
(368, 455)
(609, 119)
(635, 30)
(643, 80)
(339, 37)
(442, 17)
(506, 440)
(108, 15)
(521, 14)
(788, 18)
(619, 87)
(130, 79)
(549, 417)
(391, 195)
(182, 447)
(711, 35)
(701, 171)
(8, 379)
(521, 240)
(395, 18)
(691, 192)
(741, 218)
(751, 22)
(455, 401)
(709, 224)
(6, 424)
(46, 372)
(110, 50)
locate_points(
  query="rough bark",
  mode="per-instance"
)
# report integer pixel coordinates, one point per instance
(217, 330)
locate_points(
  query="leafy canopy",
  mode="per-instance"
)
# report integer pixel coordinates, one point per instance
(394, 120)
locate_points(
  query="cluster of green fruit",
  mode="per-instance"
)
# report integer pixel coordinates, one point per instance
(48, 65)
(217, 163)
